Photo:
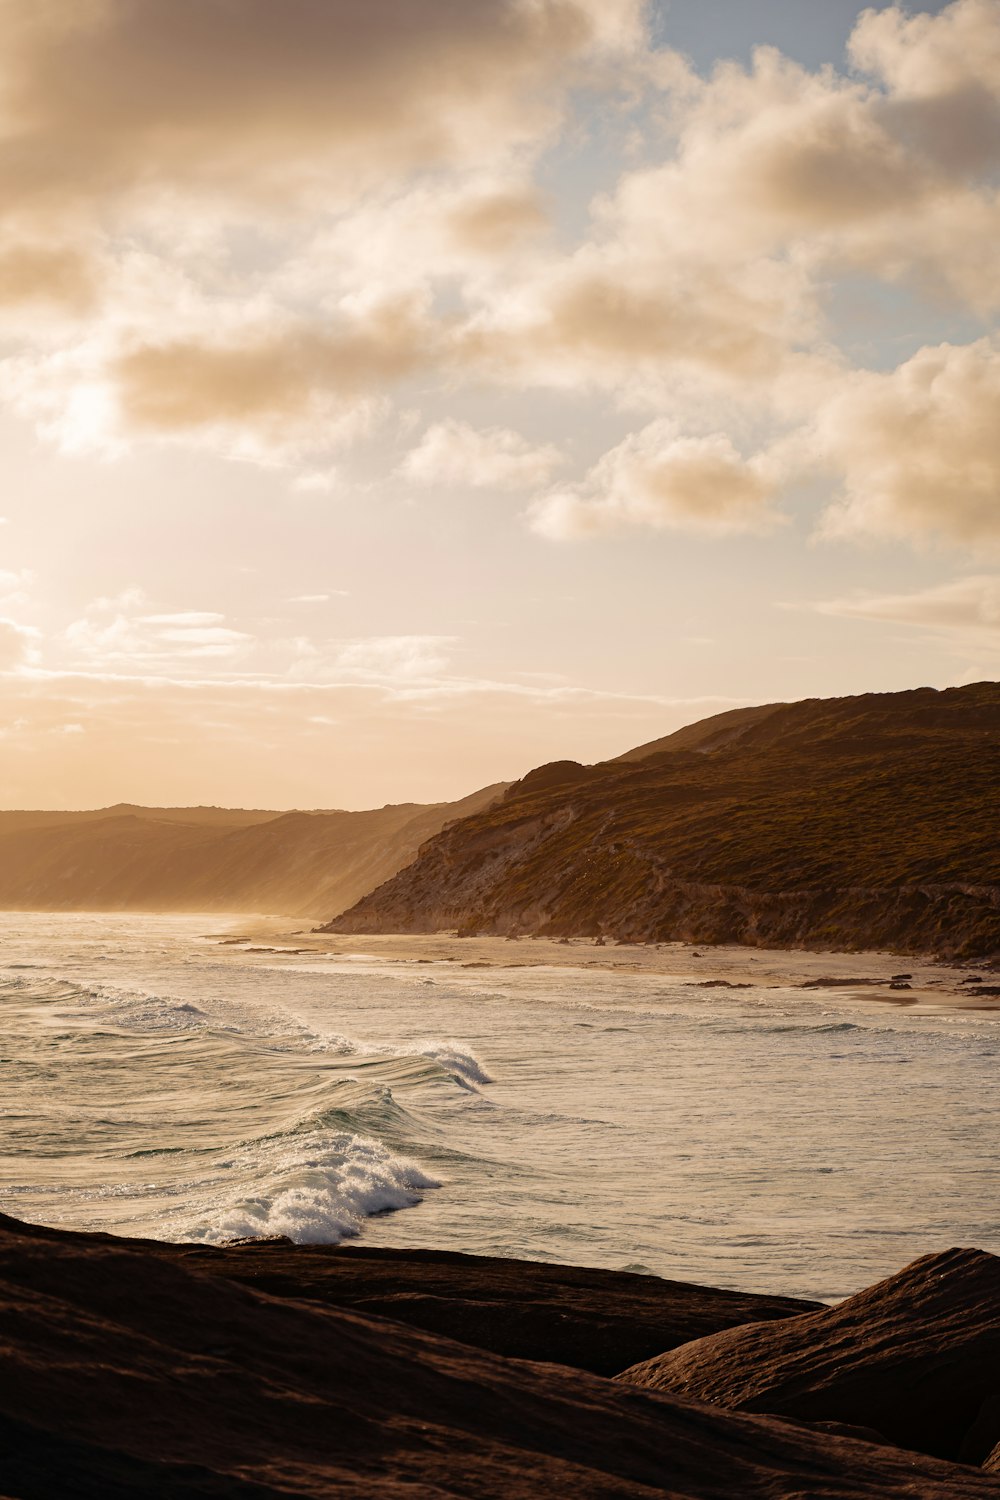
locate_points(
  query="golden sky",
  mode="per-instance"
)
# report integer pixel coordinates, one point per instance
(395, 396)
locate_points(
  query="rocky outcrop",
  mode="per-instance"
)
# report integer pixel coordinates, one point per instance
(124, 1373)
(853, 823)
(914, 1357)
(595, 1320)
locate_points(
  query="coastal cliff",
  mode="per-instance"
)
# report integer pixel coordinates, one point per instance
(847, 823)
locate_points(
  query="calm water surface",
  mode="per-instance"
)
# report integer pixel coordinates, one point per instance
(157, 1083)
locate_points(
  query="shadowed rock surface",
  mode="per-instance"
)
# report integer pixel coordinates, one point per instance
(596, 1320)
(867, 822)
(126, 1374)
(913, 1357)
(981, 1444)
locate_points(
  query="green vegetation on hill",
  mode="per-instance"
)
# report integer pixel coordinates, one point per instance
(857, 822)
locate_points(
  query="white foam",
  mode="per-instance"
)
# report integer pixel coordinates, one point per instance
(457, 1059)
(320, 1190)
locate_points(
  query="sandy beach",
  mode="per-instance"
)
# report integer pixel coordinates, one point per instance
(881, 978)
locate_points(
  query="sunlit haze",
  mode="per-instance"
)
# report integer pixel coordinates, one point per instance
(397, 396)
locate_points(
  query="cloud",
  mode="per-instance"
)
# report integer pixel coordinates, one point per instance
(624, 316)
(489, 222)
(394, 658)
(775, 153)
(718, 259)
(35, 272)
(15, 587)
(274, 390)
(112, 634)
(169, 167)
(185, 618)
(919, 446)
(17, 645)
(107, 96)
(963, 605)
(262, 224)
(781, 151)
(661, 481)
(453, 453)
(319, 598)
(929, 56)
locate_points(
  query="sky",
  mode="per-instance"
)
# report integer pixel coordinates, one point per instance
(395, 397)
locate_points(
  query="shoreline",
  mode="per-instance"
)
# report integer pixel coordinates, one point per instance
(881, 978)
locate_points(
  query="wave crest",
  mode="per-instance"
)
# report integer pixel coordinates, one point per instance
(321, 1191)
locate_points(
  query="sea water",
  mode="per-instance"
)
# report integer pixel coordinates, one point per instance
(155, 1081)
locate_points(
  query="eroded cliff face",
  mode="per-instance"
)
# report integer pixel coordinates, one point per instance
(866, 823)
(954, 921)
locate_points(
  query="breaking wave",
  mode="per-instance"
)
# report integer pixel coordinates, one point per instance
(318, 1191)
(164, 1087)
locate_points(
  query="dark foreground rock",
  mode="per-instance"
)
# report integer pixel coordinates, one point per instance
(595, 1320)
(914, 1357)
(129, 1374)
(981, 1444)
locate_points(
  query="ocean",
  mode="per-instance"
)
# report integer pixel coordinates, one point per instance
(160, 1082)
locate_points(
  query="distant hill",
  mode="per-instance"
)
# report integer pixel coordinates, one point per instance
(125, 858)
(218, 817)
(862, 822)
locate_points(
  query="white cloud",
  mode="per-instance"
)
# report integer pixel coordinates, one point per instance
(456, 454)
(184, 618)
(659, 480)
(15, 586)
(395, 658)
(716, 262)
(919, 447)
(931, 56)
(319, 598)
(113, 634)
(962, 605)
(18, 645)
(382, 164)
